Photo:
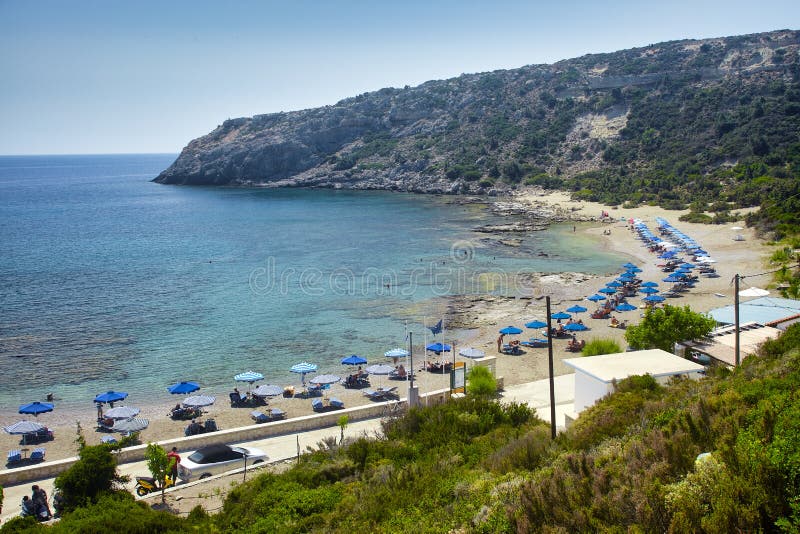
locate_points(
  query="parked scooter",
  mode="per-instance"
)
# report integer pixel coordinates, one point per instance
(145, 485)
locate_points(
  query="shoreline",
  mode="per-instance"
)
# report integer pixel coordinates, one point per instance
(478, 317)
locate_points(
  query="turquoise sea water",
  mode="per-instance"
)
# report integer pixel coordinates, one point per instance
(109, 281)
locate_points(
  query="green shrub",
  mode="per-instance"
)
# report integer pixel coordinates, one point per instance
(596, 347)
(121, 514)
(92, 476)
(481, 382)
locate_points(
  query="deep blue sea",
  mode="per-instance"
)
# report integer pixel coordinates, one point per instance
(110, 281)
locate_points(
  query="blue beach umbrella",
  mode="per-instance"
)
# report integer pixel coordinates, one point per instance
(654, 298)
(110, 396)
(535, 324)
(672, 278)
(576, 309)
(439, 347)
(628, 265)
(596, 298)
(688, 265)
(35, 408)
(648, 290)
(561, 315)
(607, 290)
(626, 307)
(182, 388)
(575, 327)
(634, 270)
(614, 283)
(625, 277)
(649, 284)
(354, 360)
(510, 330)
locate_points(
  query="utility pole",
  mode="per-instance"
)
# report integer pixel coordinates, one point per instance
(550, 367)
(736, 318)
(413, 393)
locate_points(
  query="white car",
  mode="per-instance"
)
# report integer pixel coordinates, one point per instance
(217, 459)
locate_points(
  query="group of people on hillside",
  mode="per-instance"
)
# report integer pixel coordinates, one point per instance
(37, 506)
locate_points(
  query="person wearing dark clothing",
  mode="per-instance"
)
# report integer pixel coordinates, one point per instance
(39, 498)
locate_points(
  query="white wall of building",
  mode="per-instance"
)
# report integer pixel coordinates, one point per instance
(588, 390)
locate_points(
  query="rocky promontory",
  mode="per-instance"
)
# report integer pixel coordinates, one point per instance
(488, 133)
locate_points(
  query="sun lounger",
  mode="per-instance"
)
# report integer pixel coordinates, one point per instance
(259, 417)
(388, 392)
(14, 456)
(276, 414)
(336, 403)
(38, 454)
(317, 405)
(373, 395)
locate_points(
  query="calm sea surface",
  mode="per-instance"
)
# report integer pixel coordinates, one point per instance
(109, 281)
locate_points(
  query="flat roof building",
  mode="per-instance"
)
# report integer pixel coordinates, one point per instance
(720, 344)
(595, 376)
(769, 311)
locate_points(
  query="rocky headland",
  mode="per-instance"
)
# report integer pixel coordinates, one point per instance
(491, 132)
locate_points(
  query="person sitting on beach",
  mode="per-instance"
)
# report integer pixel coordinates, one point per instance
(614, 321)
(401, 371)
(194, 428)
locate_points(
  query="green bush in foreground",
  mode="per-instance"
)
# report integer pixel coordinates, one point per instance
(481, 381)
(93, 475)
(596, 347)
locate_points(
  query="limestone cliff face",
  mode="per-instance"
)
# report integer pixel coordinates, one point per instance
(481, 133)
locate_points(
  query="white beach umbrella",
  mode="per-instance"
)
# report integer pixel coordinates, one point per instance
(198, 401)
(130, 425)
(122, 412)
(753, 292)
(470, 352)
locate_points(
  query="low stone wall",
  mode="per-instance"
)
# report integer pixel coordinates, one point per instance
(12, 477)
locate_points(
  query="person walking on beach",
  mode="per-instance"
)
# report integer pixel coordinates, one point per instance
(174, 460)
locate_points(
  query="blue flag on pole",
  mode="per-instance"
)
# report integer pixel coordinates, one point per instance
(437, 328)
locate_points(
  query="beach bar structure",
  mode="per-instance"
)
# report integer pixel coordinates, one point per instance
(770, 311)
(595, 376)
(719, 346)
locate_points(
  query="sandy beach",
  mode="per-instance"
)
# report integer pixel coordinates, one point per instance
(480, 317)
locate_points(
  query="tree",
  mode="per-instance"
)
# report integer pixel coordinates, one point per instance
(159, 464)
(663, 327)
(93, 475)
(481, 381)
(342, 422)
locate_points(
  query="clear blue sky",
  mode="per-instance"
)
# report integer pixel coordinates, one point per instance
(140, 76)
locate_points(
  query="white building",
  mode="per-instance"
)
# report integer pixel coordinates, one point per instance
(595, 375)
